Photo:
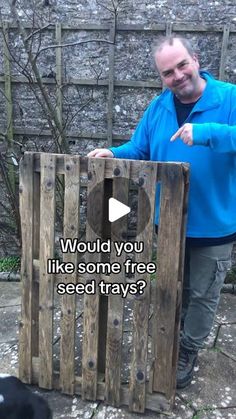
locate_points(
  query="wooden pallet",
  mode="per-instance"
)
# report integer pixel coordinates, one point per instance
(155, 313)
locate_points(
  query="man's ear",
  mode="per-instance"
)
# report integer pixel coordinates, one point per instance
(195, 58)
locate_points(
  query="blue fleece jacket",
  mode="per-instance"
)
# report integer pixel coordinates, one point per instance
(212, 158)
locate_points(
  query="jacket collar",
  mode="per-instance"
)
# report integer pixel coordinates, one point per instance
(210, 98)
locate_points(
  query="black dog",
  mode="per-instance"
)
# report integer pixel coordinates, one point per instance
(18, 402)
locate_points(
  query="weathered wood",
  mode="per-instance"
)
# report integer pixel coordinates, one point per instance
(26, 323)
(35, 286)
(103, 304)
(121, 175)
(91, 302)
(9, 103)
(177, 27)
(108, 173)
(224, 48)
(186, 27)
(59, 77)
(181, 274)
(168, 257)
(111, 84)
(47, 220)
(68, 302)
(91, 82)
(147, 180)
(166, 301)
(70, 134)
(7, 79)
(156, 402)
(169, 26)
(83, 278)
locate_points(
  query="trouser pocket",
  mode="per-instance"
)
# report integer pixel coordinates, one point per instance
(222, 267)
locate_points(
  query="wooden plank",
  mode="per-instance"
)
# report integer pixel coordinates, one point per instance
(59, 78)
(105, 257)
(187, 27)
(36, 242)
(83, 278)
(168, 262)
(121, 174)
(96, 169)
(9, 103)
(68, 302)
(146, 208)
(224, 48)
(169, 26)
(91, 82)
(181, 274)
(108, 173)
(47, 220)
(26, 323)
(138, 84)
(7, 79)
(70, 134)
(177, 27)
(112, 37)
(156, 402)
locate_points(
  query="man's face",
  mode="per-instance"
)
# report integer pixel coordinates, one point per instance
(179, 71)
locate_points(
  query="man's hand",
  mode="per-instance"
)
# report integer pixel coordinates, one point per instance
(185, 133)
(100, 152)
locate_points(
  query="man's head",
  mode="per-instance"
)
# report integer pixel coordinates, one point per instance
(178, 67)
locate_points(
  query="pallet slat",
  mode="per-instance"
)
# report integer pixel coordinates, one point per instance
(137, 399)
(36, 237)
(121, 174)
(26, 323)
(96, 169)
(68, 302)
(169, 247)
(47, 222)
(156, 402)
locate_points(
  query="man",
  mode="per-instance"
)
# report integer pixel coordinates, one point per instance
(193, 121)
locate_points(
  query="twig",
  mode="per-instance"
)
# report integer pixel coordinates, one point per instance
(71, 44)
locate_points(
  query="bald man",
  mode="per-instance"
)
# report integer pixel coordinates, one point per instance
(193, 121)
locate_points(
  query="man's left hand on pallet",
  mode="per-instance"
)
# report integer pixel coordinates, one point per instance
(193, 121)
(101, 152)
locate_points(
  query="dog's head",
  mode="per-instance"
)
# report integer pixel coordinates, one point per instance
(18, 402)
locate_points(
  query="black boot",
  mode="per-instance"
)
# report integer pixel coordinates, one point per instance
(186, 362)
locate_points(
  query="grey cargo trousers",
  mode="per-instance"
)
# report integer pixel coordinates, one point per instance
(204, 274)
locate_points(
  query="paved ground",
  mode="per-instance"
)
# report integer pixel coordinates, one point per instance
(212, 393)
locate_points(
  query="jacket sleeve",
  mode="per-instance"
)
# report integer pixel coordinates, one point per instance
(138, 146)
(219, 137)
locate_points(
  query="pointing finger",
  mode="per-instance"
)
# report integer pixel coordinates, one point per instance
(177, 134)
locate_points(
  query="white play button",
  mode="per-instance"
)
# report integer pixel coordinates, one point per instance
(116, 209)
